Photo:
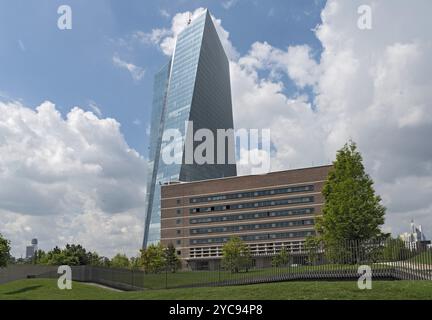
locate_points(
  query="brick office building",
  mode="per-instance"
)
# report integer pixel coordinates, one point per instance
(266, 211)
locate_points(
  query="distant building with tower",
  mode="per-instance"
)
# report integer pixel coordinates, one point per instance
(415, 239)
(31, 249)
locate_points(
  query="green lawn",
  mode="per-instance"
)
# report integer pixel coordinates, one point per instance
(47, 289)
(187, 278)
(422, 258)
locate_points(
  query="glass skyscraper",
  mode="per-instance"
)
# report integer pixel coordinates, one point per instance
(193, 86)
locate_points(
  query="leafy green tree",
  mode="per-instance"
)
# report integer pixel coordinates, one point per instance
(135, 262)
(77, 254)
(54, 257)
(4, 251)
(171, 259)
(282, 259)
(236, 255)
(120, 261)
(94, 259)
(40, 257)
(312, 246)
(72, 255)
(65, 258)
(105, 262)
(352, 212)
(153, 258)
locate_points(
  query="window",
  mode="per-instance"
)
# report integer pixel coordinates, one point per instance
(255, 204)
(178, 221)
(262, 214)
(178, 252)
(304, 188)
(178, 201)
(178, 211)
(178, 241)
(178, 231)
(282, 224)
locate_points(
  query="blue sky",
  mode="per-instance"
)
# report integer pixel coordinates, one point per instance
(75, 67)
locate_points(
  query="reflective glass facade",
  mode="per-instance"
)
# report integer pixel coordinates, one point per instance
(193, 86)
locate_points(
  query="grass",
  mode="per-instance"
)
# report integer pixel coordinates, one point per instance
(422, 258)
(43, 289)
(178, 279)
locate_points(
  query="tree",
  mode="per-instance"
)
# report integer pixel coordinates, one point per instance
(120, 261)
(312, 246)
(105, 262)
(77, 253)
(352, 212)
(135, 262)
(153, 258)
(40, 257)
(95, 260)
(171, 259)
(4, 251)
(282, 259)
(236, 255)
(71, 255)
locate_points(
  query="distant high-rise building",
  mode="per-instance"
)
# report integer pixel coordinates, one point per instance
(193, 86)
(31, 250)
(415, 238)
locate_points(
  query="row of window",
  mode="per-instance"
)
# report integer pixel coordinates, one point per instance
(255, 249)
(255, 215)
(268, 203)
(252, 194)
(265, 236)
(247, 227)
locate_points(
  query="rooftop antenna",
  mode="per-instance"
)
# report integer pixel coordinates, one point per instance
(190, 18)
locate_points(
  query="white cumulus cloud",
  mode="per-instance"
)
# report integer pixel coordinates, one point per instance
(71, 179)
(165, 38)
(372, 86)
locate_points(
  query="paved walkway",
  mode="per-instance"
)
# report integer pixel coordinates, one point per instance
(102, 286)
(409, 265)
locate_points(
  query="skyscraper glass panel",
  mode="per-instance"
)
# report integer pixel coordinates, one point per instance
(193, 86)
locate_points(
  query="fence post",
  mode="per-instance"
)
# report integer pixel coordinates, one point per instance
(166, 276)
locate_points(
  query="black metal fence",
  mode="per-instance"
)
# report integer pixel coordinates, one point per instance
(387, 260)
(21, 271)
(123, 279)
